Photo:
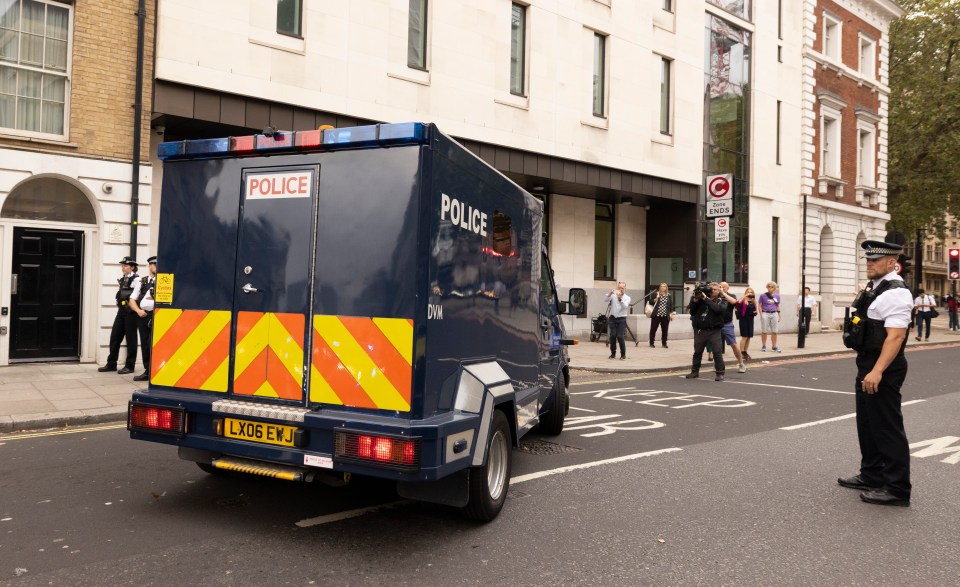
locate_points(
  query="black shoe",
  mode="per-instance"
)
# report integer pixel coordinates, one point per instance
(692, 375)
(107, 367)
(623, 358)
(856, 482)
(719, 377)
(612, 357)
(125, 371)
(653, 346)
(141, 377)
(884, 497)
(665, 346)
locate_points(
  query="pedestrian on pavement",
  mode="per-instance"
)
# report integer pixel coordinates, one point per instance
(619, 309)
(728, 333)
(809, 303)
(884, 476)
(746, 312)
(125, 322)
(707, 310)
(923, 304)
(663, 312)
(952, 312)
(769, 316)
(142, 303)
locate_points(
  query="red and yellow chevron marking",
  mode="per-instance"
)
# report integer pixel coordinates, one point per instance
(362, 362)
(269, 355)
(191, 348)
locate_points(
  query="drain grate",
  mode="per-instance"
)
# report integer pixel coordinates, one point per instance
(542, 447)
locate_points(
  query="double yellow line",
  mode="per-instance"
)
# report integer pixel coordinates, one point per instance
(60, 432)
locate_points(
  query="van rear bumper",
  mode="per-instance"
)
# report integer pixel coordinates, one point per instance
(445, 442)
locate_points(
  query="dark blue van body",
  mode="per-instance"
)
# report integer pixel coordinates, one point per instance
(359, 301)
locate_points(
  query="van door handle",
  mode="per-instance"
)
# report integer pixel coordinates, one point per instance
(248, 289)
(13, 283)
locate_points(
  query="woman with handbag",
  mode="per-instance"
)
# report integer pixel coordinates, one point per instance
(660, 311)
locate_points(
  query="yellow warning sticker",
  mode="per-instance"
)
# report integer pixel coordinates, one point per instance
(164, 288)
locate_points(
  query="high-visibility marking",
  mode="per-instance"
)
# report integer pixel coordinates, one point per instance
(362, 362)
(191, 348)
(269, 355)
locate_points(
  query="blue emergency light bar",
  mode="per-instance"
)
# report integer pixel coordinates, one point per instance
(383, 135)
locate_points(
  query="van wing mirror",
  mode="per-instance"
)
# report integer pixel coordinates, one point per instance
(577, 301)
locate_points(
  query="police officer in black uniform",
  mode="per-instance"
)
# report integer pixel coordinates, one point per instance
(142, 303)
(125, 323)
(707, 310)
(878, 332)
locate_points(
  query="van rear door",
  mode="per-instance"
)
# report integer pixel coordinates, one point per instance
(272, 282)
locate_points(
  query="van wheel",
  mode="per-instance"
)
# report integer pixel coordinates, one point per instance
(489, 483)
(551, 423)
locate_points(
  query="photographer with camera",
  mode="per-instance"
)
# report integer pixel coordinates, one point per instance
(707, 311)
(619, 309)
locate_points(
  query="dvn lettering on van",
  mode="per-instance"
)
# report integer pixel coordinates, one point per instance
(463, 215)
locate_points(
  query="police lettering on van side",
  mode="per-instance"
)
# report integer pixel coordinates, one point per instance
(463, 215)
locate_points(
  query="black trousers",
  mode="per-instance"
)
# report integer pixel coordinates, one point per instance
(884, 450)
(616, 329)
(664, 323)
(805, 318)
(700, 340)
(124, 328)
(145, 327)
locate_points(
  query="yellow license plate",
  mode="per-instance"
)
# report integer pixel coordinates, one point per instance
(259, 432)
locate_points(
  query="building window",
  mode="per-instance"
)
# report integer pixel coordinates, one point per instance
(954, 229)
(868, 57)
(668, 5)
(831, 37)
(603, 243)
(518, 49)
(34, 39)
(779, 110)
(417, 35)
(775, 249)
(829, 146)
(741, 8)
(290, 18)
(599, 64)
(866, 161)
(665, 96)
(780, 19)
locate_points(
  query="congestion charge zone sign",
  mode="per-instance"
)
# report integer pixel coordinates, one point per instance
(719, 195)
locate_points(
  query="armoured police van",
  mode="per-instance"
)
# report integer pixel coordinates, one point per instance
(370, 301)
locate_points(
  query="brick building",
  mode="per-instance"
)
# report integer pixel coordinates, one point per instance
(67, 87)
(846, 96)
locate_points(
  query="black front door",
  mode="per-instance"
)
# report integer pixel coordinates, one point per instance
(45, 294)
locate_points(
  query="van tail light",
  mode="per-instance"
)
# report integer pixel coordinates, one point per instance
(382, 450)
(156, 419)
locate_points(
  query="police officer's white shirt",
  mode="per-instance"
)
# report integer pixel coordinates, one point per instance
(146, 304)
(619, 308)
(893, 306)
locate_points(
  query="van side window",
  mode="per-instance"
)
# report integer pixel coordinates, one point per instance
(546, 283)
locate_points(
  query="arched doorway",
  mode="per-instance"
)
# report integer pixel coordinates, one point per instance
(828, 274)
(860, 265)
(47, 269)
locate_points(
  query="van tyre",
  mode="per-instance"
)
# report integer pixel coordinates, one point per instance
(551, 423)
(489, 483)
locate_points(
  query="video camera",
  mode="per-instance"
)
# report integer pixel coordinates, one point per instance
(702, 289)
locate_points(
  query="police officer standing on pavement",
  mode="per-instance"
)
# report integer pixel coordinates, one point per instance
(878, 332)
(142, 303)
(707, 310)
(125, 323)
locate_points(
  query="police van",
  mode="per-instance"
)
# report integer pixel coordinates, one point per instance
(371, 301)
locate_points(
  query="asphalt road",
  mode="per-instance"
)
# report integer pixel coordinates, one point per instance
(656, 480)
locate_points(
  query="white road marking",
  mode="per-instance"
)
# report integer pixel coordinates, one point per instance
(794, 387)
(557, 471)
(329, 518)
(838, 418)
